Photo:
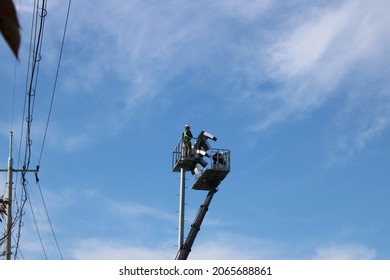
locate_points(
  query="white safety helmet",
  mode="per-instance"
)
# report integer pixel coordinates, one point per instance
(187, 126)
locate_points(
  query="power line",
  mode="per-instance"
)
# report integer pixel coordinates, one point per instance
(48, 121)
(55, 81)
(37, 228)
(13, 97)
(28, 139)
(48, 218)
(33, 82)
(36, 42)
(29, 102)
(20, 217)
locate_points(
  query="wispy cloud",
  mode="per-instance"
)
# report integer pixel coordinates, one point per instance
(95, 249)
(225, 246)
(345, 252)
(248, 10)
(279, 69)
(220, 246)
(69, 138)
(311, 60)
(139, 211)
(351, 143)
(145, 49)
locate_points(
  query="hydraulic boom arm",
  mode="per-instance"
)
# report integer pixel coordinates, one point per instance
(185, 250)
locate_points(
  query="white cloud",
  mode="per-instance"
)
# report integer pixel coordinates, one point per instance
(228, 246)
(221, 246)
(330, 41)
(143, 48)
(146, 48)
(95, 249)
(248, 10)
(364, 119)
(225, 245)
(333, 53)
(350, 144)
(345, 252)
(376, 128)
(65, 137)
(302, 50)
(311, 62)
(138, 210)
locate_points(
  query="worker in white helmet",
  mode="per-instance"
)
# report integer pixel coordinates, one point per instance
(186, 137)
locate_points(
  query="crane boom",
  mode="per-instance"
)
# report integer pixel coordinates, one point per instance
(185, 249)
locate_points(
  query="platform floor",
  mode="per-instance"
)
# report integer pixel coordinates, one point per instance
(210, 179)
(188, 163)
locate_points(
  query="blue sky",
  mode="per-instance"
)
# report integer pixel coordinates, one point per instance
(297, 90)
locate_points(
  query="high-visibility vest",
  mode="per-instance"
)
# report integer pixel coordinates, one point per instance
(186, 138)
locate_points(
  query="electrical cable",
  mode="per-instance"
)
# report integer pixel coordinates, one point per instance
(13, 97)
(19, 216)
(36, 42)
(18, 250)
(48, 121)
(29, 103)
(48, 218)
(55, 80)
(37, 228)
(14, 86)
(32, 85)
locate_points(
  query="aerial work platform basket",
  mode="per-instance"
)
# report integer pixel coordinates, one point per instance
(217, 162)
(179, 161)
(217, 170)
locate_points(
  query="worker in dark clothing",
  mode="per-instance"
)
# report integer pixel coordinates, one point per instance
(218, 159)
(186, 137)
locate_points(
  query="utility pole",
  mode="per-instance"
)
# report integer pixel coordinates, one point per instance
(8, 223)
(181, 207)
